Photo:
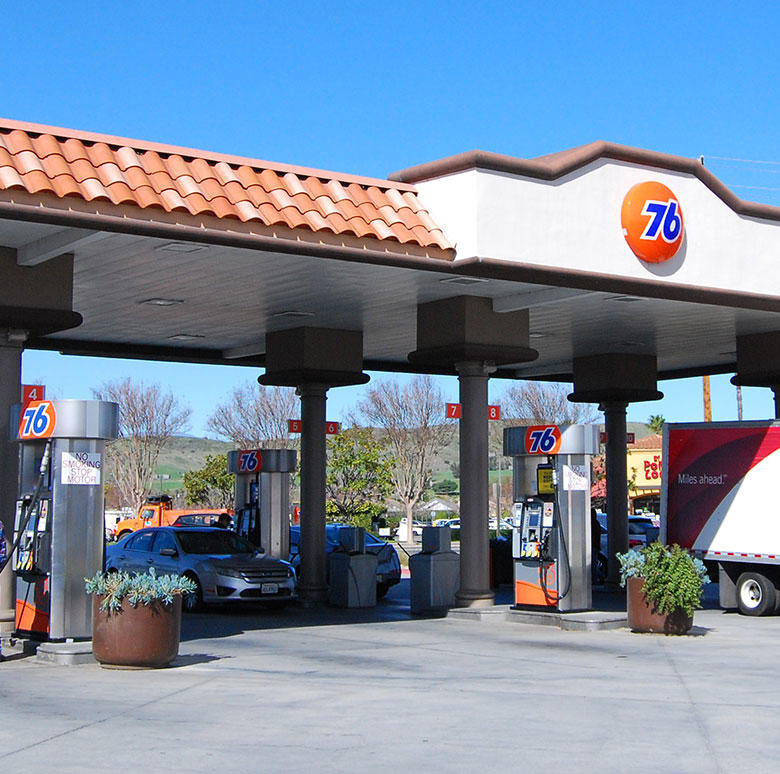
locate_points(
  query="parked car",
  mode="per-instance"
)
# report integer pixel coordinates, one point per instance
(198, 520)
(388, 567)
(641, 531)
(417, 527)
(224, 566)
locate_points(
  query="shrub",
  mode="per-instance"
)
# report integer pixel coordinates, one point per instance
(144, 589)
(673, 578)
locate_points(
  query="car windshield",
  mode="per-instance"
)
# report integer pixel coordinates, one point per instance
(196, 519)
(216, 542)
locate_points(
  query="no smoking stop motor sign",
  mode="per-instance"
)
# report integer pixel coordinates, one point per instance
(652, 222)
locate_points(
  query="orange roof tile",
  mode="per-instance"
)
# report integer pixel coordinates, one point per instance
(51, 161)
(653, 441)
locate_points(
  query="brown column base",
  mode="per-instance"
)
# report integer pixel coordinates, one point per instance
(312, 596)
(474, 599)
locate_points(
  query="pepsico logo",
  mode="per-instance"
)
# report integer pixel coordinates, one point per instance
(652, 222)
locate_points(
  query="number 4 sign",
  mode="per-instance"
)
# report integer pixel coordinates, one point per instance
(31, 392)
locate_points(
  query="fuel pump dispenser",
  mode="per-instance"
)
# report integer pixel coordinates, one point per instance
(551, 512)
(262, 497)
(59, 524)
(352, 571)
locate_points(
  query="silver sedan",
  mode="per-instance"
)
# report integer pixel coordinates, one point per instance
(224, 566)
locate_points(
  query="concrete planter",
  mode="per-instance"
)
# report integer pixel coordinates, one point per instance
(644, 617)
(143, 636)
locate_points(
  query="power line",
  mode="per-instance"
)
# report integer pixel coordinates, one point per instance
(744, 161)
(755, 187)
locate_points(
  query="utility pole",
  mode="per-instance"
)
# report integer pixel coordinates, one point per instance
(739, 403)
(707, 399)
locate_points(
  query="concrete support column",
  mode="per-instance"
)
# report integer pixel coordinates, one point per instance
(474, 489)
(313, 583)
(617, 487)
(10, 393)
(758, 363)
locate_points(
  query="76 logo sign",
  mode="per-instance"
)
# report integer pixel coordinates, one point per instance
(542, 439)
(663, 218)
(249, 461)
(38, 420)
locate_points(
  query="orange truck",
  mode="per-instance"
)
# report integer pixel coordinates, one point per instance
(158, 512)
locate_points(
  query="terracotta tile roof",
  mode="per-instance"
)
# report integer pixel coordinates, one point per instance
(51, 161)
(653, 441)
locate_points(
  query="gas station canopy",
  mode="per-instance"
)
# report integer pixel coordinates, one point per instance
(191, 256)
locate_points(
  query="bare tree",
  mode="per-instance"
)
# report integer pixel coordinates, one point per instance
(543, 402)
(256, 414)
(148, 418)
(413, 418)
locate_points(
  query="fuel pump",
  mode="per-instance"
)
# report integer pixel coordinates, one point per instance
(59, 524)
(551, 513)
(262, 497)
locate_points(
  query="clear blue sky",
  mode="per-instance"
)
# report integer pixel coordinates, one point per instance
(371, 88)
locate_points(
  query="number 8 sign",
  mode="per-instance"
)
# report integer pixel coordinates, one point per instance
(542, 439)
(652, 222)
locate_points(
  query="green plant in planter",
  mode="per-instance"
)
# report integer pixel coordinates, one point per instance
(673, 578)
(141, 589)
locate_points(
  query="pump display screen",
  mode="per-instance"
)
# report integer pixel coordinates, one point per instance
(533, 518)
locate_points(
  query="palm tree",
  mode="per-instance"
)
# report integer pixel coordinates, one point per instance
(656, 423)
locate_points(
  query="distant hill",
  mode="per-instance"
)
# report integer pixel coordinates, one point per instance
(182, 454)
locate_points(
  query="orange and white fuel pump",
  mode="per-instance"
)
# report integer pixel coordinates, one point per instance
(59, 526)
(551, 543)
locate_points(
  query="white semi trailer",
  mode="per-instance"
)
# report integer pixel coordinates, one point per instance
(721, 483)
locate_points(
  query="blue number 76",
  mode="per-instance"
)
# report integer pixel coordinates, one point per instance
(662, 214)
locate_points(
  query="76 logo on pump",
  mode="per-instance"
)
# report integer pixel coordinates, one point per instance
(542, 439)
(37, 421)
(652, 222)
(249, 460)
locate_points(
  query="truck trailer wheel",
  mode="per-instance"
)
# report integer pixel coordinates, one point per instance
(755, 594)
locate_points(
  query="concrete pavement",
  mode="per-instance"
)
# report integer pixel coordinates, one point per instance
(362, 691)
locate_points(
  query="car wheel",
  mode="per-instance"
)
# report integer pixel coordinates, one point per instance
(192, 603)
(755, 594)
(122, 534)
(382, 589)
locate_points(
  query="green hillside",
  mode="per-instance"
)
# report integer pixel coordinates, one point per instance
(182, 454)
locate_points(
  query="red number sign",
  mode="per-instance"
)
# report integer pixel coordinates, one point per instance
(494, 412)
(630, 437)
(453, 410)
(31, 392)
(296, 426)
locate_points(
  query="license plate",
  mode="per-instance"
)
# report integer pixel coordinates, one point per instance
(269, 588)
